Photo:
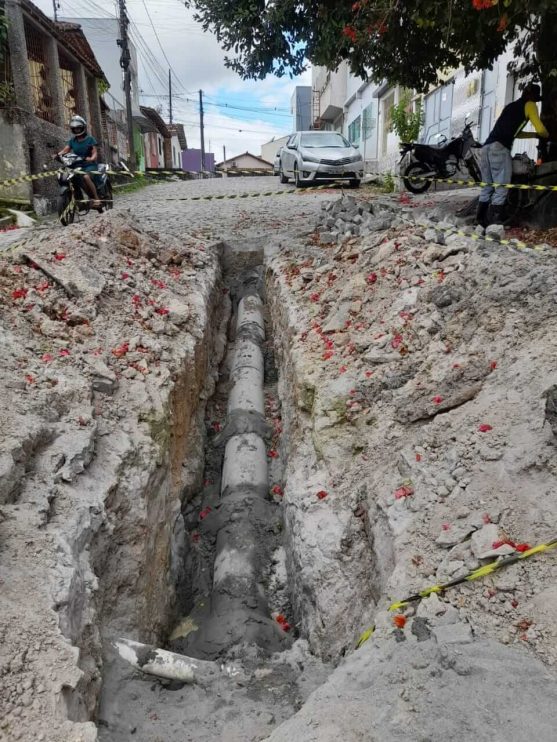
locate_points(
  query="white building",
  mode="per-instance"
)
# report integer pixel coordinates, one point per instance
(270, 149)
(361, 109)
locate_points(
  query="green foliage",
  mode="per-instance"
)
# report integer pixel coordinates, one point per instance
(404, 122)
(7, 93)
(388, 185)
(406, 43)
(102, 86)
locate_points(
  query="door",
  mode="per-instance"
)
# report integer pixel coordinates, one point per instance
(288, 157)
(438, 109)
(489, 95)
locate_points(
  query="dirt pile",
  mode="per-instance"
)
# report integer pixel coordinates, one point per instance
(419, 386)
(109, 338)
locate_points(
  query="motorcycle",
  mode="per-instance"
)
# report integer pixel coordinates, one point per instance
(73, 198)
(439, 161)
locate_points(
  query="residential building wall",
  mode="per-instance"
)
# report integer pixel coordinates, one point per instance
(300, 107)
(50, 81)
(191, 161)
(364, 115)
(246, 161)
(270, 149)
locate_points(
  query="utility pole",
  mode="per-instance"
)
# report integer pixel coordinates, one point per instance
(125, 59)
(170, 96)
(224, 158)
(55, 6)
(201, 130)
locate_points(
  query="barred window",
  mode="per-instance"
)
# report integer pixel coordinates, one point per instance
(69, 91)
(43, 102)
(354, 130)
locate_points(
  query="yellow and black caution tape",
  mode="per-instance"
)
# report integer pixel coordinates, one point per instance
(246, 171)
(512, 242)
(476, 574)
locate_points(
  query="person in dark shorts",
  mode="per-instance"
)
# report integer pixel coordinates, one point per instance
(496, 162)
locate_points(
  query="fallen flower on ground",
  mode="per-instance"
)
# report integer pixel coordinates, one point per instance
(484, 428)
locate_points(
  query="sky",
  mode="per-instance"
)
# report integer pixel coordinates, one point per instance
(197, 62)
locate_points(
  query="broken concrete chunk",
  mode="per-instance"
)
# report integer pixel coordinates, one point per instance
(456, 633)
(104, 379)
(483, 543)
(77, 279)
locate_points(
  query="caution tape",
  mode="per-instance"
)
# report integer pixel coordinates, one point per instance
(476, 574)
(512, 242)
(187, 175)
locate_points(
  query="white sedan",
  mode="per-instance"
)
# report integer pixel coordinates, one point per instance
(312, 156)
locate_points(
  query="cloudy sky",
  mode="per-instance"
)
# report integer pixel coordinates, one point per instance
(197, 62)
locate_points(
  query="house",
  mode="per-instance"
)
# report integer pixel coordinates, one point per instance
(246, 161)
(191, 161)
(300, 107)
(49, 73)
(269, 149)
(178, 144)
(157, 140)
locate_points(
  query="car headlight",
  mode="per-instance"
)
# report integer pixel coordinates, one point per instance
(309, 158)
(356, 158)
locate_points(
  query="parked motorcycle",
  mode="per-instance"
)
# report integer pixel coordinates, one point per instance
(439, 161)
(73, 197)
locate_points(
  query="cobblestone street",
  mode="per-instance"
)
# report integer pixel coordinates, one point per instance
(164, 206)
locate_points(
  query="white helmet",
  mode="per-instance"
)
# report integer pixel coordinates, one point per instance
(78, 125)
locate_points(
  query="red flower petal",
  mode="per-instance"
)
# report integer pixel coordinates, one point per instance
(396, 341)
(216, 426)
(446, 526)
(195, 537)
(522, 547)
(277, 490)
(314, 297)
(19, 293)
(371, 278)
(63, 352)
(158, 283)
(418, 457)
(121, 350)
(124, 276)
(327, 355)
(47, 358)
(404, 491)
(59, 256)
(162, 310)
(321, 495)
(368, 374)
(342, 370)
(486, 518)
(484, 428)
(437, 399)
(205, 512)
(272, 454)
(493, 365)
(399, 621)
(30, 379)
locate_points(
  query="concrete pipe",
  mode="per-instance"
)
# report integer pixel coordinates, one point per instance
(250, 316)
(245, 465)
(164, 664)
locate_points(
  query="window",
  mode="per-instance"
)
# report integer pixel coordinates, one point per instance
(368, 121)
(69, 93)
(323, 139)
(160, 146)
(354, 130)
(39, 73)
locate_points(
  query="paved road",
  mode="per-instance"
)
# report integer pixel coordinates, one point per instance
(164, 206)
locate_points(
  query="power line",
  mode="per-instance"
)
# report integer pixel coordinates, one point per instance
(160, 45)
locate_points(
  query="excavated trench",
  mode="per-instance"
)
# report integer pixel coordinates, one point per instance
(235, 660)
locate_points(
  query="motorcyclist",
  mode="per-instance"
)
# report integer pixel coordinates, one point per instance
(85, 146)
(496, 162)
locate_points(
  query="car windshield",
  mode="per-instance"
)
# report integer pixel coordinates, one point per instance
(323, 139)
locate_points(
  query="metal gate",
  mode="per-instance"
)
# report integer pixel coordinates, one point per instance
(438, 111)
(489, 94)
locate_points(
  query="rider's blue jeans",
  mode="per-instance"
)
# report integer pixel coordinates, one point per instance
(497, 167)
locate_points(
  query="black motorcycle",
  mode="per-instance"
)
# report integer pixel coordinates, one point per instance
(73, 197)
(439, 161)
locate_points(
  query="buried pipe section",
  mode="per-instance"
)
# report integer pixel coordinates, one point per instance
(244, 525)
(236, 611)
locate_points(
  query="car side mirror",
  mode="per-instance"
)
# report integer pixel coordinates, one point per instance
(291, 146)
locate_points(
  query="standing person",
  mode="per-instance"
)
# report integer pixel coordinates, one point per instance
(85, 146)
(496, 162)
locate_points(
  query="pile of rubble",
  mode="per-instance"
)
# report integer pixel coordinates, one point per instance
(420, 396)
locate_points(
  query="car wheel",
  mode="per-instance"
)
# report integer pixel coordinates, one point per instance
(355, 183)
(297, 180)
(282, 176)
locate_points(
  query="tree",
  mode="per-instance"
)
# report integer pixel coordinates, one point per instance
(406, 42)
